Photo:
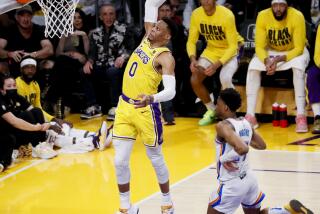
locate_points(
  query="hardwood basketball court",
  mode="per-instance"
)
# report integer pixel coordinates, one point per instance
(86, 183)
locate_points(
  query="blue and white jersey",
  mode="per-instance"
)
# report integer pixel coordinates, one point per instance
(243, 128)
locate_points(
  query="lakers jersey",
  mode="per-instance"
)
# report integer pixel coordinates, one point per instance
(141, 76)
(242, 128)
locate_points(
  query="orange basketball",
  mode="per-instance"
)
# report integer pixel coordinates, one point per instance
(22, 1)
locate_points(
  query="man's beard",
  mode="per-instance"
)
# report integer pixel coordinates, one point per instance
(279, 18)
(27, 78)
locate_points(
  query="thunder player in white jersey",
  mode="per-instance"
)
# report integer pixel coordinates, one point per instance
(237, 184)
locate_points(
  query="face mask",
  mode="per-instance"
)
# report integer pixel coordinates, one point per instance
(26, 78)
(11, 93)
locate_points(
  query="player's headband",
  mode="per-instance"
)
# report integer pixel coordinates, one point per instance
(28, 61)
(278, 1)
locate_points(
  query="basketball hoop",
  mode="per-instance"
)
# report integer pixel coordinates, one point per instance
(58, 16)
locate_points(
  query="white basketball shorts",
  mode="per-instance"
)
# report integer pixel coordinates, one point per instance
(230, 194)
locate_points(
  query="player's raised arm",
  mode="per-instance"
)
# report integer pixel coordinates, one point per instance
(151, 13)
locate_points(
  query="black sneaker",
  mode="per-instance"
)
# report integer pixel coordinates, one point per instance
(91, 112)
(296, 206)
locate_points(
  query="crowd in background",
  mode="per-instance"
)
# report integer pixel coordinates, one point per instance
(83, 72)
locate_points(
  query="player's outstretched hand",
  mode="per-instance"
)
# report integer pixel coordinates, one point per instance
(230, 166)
(144, 101)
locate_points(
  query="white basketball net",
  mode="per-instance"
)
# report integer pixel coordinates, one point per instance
(59, 16)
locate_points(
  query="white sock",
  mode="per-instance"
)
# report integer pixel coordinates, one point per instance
(210, 106)
(166, 199)
(253, 83)
(316, 109)
(125, 200)
(278, 210)
(299, 90)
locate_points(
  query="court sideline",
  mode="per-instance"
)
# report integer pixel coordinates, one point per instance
(85, 183)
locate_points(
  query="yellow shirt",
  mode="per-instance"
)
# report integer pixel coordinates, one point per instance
(140, 76)
(32, 93)
(219, 30)
(316, 56)
(288, 34)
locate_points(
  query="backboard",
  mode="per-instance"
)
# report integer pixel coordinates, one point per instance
(7, 5)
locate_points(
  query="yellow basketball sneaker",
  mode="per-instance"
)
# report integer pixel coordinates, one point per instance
(25, 151)
(208, 118)
(296, 207)
(167, 209)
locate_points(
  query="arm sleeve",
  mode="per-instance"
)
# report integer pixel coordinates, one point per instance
(169, 91)
(260, 39)
(151, 10)
(299, 37)
(231, 34)
(193, 36)
(317, 49)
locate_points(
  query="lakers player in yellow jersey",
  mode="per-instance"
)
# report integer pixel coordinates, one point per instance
(217, 25)
(138, 111)
(280, 45)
